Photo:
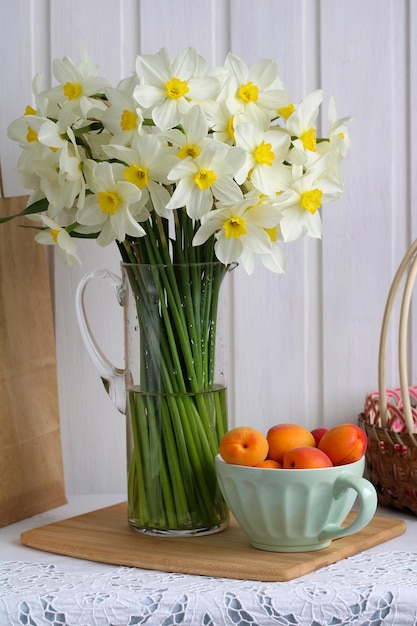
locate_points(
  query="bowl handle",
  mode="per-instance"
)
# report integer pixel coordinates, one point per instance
(367, 506)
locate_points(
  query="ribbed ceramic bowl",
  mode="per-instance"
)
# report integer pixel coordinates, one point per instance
(294, 510)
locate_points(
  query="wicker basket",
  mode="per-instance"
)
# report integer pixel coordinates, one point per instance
(390, 416)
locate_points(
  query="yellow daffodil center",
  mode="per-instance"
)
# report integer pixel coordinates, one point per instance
(54, 232)
(31, 135)
(72, 91)
(248, 92)
(189, 151)
(204, 179)
(286, 111)
(272, 233)
(128, 120)
(311, 200)
(263, 154)
(108, 201)
(309, 139)
(176, 88)
(230, 129)
(234, 227)
(30, 110)
(137, 175)
(341, 135)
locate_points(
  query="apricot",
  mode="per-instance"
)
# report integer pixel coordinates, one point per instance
(345, 443)
(243, 445)
(269, 463)
(283, 437)
(305, 457)
(318, 434)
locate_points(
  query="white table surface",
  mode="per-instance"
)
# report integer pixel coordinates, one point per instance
(377, 586)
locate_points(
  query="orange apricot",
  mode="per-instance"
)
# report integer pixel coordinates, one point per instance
(243, 445)
(269, 463)
(345, 443)
(305, 457)
(283, 437)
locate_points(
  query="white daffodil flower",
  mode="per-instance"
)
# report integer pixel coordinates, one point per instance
(301, 124)
(26, 166)
(208, 176)
(123, 118)
(337, 144)
(146, 164)
(223, 122)
(60, 139)
(265, 152)
(168, 89)
(53, 166)
(304, 196)
(193, 138)
(59, 192)
(253, 90)
(239, 225)
(112, 207)
(338, 135)
(275, 259)
(55, 235)
(25, 129)
(77, 85)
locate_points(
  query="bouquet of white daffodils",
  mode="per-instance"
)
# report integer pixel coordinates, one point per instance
(189, 171)
(225, 152)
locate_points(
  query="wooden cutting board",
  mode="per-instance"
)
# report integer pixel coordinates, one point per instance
(104, 536)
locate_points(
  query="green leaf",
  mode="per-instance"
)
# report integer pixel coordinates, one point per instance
(76, 235)
(36, 207)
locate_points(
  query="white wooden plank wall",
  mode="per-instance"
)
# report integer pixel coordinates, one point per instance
(303, 345)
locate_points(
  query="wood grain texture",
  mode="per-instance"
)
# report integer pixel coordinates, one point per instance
(104, 536)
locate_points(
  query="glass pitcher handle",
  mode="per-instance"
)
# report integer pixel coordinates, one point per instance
(113, 378)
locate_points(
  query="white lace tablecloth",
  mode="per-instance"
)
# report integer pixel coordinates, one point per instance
(377, 586)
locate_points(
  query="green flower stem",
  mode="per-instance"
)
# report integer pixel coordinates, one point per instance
(191, 287)
(175, 493)
(137, 479)
(211, 319)
(177, 413)
(148, 315)
(151, 457)
(173, 307)
(191, 307)
(221, 416)
(144, 467)
(176, 456)
(197, 452)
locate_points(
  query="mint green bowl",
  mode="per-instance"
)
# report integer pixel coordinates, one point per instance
(296, 510)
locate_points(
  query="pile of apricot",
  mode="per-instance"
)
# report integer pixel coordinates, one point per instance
(290, 446)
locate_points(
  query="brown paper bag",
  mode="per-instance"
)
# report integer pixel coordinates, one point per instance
(31, 469)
